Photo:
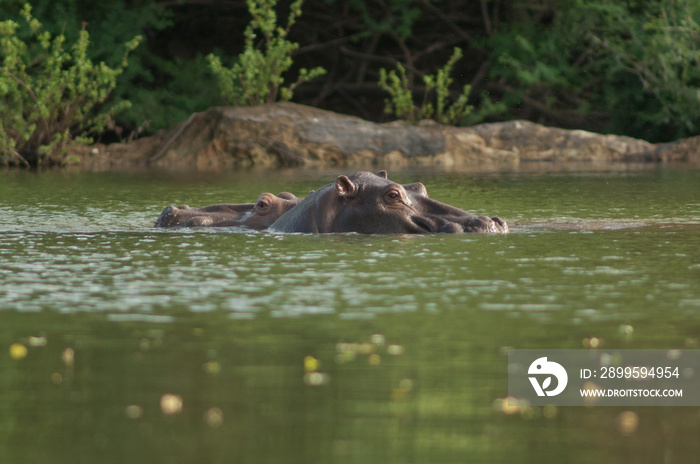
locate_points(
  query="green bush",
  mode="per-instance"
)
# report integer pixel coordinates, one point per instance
(164, 82)
(621, 67)
(50, 95)
(401, 104)
(256, 77)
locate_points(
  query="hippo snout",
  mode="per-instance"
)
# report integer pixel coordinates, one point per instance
(461, 224)
(500, 225)
(477, 224)
(482, 224)
(169, 216)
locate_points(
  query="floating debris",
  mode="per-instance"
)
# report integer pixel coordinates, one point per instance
(134, 411)
(626, 330)
(212, 367)
(214, 417)
(18, 351)
(315, 379)
(511, 405)
(628, 422)
(400, 394)
(171, 404)
(68, 357)
(395, 350)
(550, 411)
(311, 364)
(37, 341)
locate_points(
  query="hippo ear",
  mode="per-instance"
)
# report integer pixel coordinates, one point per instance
(383, 174)
(345, 187)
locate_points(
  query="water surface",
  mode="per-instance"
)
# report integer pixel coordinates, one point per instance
(216, 345)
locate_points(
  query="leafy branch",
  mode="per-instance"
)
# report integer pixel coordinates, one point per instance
(50, 96)
(402, 105)
(256, 77)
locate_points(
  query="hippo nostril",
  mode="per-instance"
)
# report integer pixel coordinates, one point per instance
(479, 224)
(423, 224)
(451, 228)
(501, 225)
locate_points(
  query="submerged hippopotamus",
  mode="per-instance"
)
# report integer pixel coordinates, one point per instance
(373, 204)
(258, 216)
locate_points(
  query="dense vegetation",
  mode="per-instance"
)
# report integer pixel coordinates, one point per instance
(628, 67)
(49, 92)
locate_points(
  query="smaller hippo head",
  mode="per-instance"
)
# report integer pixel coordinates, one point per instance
(184, 216)
(258, 215)
(267, 209)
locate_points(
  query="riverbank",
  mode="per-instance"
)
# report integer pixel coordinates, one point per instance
(290, 135)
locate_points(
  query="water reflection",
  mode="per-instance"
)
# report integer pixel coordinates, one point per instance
(310, 389)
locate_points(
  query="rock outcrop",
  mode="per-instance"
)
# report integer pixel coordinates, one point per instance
(287, 134)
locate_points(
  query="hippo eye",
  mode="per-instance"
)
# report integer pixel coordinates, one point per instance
(261, 204)
(393, 195)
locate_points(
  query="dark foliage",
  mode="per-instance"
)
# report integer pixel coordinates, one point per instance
(625, 67)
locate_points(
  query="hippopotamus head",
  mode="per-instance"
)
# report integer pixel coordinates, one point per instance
(369, 203)
(267, 209)
(258, 215)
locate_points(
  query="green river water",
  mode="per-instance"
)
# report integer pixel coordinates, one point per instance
(120, 343)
